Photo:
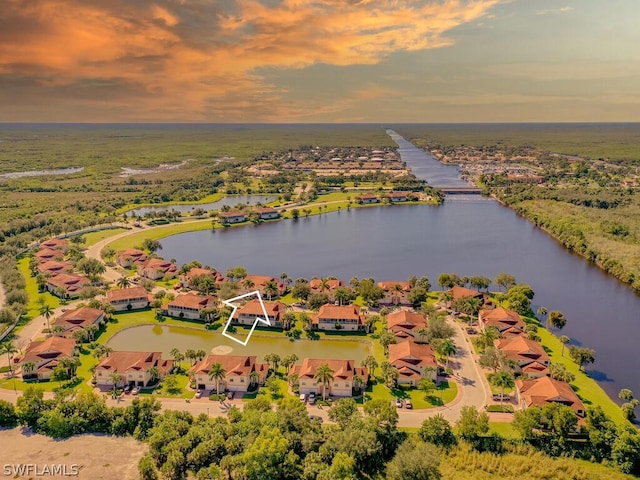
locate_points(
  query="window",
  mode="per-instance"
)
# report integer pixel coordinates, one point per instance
(242, 380)
(303, 383)
(231, 380)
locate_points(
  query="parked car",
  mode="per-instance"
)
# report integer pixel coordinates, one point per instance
(303, 397)
(229, 395)
(471, 331)
(127, 389)
(504, 396)
(408, 404)
(399, 402)
(312, 398)
(135, 391)
(316, 418)
(198, 393)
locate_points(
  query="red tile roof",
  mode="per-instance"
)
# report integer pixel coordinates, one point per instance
(54, 243)
(48, 253)
(390, 286)
(331, 312)
(79, 317)
(253, 307)
(502, 318)
(71, 282)
(231, 213)
(407, 320)
(545, 390)
(343, 369)
(46, 350)
(233, 364)
(130, 293)
(332, 284)
(193, 300)
(54, 267)
(458, 292)
(121, 361)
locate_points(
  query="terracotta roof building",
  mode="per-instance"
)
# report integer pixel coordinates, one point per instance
(395, 292)
(544, 390)
(132, 298)
(190, 305)
(186, 279)
(405, 325)
(67, 285)
(343, 375)
(532, 360)
(157, 268)
(507, 322)
(232, 216)
(55, 244)
(259, 282)
(267, 213)
(46, 356)
(78, 318)
(246, 314)
(457, 292)
(134, 368)
(54, 267)
(131, 256)
(334, 317)
(48, 254)
(238, 368)
(367, 198)
(411, 360)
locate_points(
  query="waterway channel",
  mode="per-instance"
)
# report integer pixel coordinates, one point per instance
(468, 235)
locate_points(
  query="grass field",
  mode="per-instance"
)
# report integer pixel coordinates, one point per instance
(94, 237)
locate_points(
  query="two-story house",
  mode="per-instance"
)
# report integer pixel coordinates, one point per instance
(529, 356)
(341, 385)
(413, 362)
(190, 305)
(133, 368)
(407, 326)
(132, 298)
(238, 373)
(42, 357)
(247, 313)
(334, 317)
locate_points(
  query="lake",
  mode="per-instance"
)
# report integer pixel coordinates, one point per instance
(468, 235)
(163, 338)
(230, 200)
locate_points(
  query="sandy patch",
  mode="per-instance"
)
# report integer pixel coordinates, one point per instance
(97, 456)
(221, 350)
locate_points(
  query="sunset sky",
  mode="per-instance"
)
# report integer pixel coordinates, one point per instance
(319, 60)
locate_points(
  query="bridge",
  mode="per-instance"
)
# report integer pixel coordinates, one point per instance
(460, 190)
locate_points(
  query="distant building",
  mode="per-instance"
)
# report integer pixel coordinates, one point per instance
(397, 197)
(131, 256)
(267, 213)
(157, 268)
(366, 198)
(232, 216)
(246, 314)
(395, 293)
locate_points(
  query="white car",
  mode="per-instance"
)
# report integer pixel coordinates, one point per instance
(199, 394)
(303, 397)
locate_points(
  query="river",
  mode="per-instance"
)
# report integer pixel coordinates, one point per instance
(468, 235)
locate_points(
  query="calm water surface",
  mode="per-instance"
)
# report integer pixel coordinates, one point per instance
(469, 235)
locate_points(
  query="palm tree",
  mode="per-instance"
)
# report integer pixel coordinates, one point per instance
(154, 374)
(218, 374)
(358, 382)
(28, 368)
(248, 283)
(324, 375)
(487, 336)
(371, 363)
(502, 380)
(273, 359)
(564, 340)
(542, 311)
(386, 339)
(200, 354)
(253, 378)
(115, 379)
(47, 312)
(9, 349)
(342, 295)
(558, 371)
(397, 288)
(389, 373)
(190, 354)
(58, 330)
(446, 348)
(271, 289)
(557, 319)
(123, 282)
(289, 360)
(285, 278)
(91, 331)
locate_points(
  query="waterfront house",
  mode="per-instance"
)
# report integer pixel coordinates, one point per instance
(413, 362)
(251, 283)
(67, 285)
(395, 293)
(334, 317)
(544, 390)
(51, 268)
(157, 268)
(267, 213)
(328, 286)
(47, 254)
(247, 313)
(532, 360)
(130, 256)
(132, 298)
(45, 355)
(367, 198)
(342, 384)
(190, 305)
(78, 318)
(405, 326)
(397, 196)
(238, 376)
(457, 293)
(187, 278)
(507, 322)
(134, 368)
(232, 216)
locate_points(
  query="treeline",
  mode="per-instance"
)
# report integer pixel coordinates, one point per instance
(16, 298)
(285, 443)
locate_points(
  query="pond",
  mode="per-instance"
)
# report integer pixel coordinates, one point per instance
(230, 201)
(41, 173)
(163, 338)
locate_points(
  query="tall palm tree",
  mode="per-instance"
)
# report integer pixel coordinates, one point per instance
(253, 378)
(218, 374)
(289, 360)
(371, 363)
(324, 375)
(389, 373)
(9, 349)
(123, 282)
(47, 312)
(271, 289)
(397, 288)
(154, 374)
(115, 379)
(285, 278)
(28, 368)
(446, 348)
(324, 284)
(358, 382)
(502, 380)
(248, 283)
(564, 340)
(487, 336)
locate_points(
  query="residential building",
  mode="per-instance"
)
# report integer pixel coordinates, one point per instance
(507, 322)
(413, 362)
(130, 257)
(366, 198)
(157, 268)
(238, 376)
(190, 305)
(544, 390)
(457, 292)
(246, 314)
(267, 213)
(532, 360)
(186, 279)
(232, 216)
(397, 196)
(132, 298)
(343, 374)
(52, 268)
(252, 283)
(55, 244)
(78, 318)
(134, 368)
(46, 254)
(405, 326)
(45, 355)
(67, 285)
(334, 317)
(395, 293)
(328, 285)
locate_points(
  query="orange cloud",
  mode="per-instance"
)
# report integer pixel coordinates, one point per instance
(202, 60)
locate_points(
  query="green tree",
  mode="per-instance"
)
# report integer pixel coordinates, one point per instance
(472, 424)
(525, 422)
(8, 416)
(564, 340)
(446, 348)
(371, 363)
(582, 355)
(8, 349)
(386, 339)
(502, 380)
(505, 280)
(218, 374)
(151, 245)
(557, 319)
(437, 430)
(427, 386)
(271, 289)
(558, 371)
(289, 360)
(414, 461)
(146, 468)
(123, 282)
(324, 375)
(47, 312)
(344, 411)
(389, 373)
(115, 378)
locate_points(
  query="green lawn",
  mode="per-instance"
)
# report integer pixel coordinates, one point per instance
(264, 392)
(157, 233)
(33, 308)
(181, 390)
(447, 391)
(587, 388)
(94, 237)
(504, 429)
